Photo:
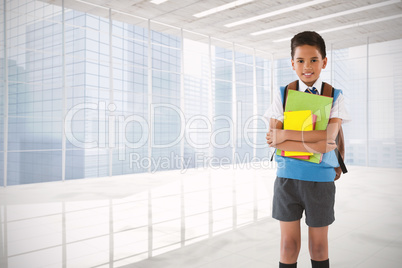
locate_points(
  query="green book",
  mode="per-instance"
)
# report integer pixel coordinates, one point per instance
(318, 104)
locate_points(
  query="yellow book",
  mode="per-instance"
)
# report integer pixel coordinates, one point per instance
(301, 121)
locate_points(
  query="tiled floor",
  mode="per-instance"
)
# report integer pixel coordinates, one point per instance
(203, 218)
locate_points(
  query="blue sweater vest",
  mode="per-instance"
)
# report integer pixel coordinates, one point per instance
(302, 170)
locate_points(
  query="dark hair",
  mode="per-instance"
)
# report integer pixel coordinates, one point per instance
(308, 38)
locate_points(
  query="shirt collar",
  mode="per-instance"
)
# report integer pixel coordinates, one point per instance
(317, 85)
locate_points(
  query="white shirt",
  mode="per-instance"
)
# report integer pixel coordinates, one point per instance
(338, 110)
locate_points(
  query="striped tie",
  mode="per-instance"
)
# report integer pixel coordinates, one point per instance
(312, 91)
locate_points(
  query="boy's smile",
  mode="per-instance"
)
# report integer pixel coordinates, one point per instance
(308, 63)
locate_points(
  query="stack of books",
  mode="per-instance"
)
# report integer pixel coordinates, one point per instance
(306, 112)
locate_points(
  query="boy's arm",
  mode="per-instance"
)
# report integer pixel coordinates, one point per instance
(322, 146)
(275, 124)
(277, 136)
(318, 142)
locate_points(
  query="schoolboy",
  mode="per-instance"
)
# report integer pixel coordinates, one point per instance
(302, 185)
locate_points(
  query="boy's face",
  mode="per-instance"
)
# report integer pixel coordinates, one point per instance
(308, 63)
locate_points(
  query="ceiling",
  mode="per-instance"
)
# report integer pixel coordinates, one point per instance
(346, 23)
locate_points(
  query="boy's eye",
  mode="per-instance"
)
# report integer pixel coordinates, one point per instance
(313, 60)
(300, 61)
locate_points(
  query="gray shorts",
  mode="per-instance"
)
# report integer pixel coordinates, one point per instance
(317, 199)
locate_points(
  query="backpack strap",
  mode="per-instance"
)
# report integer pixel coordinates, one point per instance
(292, 86)
(340, 141)
(328, 90)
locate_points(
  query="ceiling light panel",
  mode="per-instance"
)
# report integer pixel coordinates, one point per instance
(339, 14)
(274, 13)
(91, 4)
(157, 2)
(348, 26)
(222, 8)
(361, 23)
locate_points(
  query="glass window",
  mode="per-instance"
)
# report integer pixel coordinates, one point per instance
(263, 62)
(88, 96)
(86, 163)
(166, 40)
(223, 125)
(263, 91)
(223, 69)
(132, 132)
(350, 75)
(34, 93)
(130, 97)
(2, 90)
(165, 58)
(384, 104)
(244, 109)
(223, 91)
(244, 73)
(283, 72)
(223, 53)
(197, 104)
(36, 89)
(1, 169)
(33, 167)
(166, 118)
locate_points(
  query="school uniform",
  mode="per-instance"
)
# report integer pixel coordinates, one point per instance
(301, 185)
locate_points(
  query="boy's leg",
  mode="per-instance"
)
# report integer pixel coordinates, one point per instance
(290, 241)
(318, 243)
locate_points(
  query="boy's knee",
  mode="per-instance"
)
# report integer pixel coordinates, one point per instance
(290, 247)
(318, 251)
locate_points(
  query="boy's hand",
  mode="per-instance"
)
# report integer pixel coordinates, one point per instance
(331, 145)
(274, 137)
(323, 146)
